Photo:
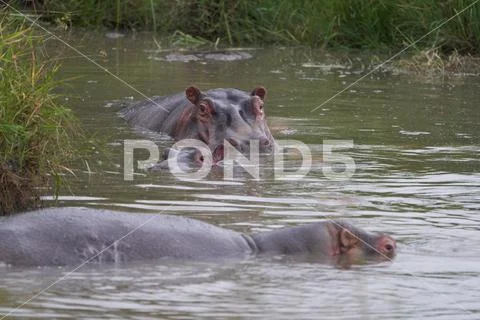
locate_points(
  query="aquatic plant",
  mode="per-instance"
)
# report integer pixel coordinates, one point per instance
(35, 131)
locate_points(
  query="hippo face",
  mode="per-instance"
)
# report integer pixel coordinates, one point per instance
(232, 115)
(356, 245)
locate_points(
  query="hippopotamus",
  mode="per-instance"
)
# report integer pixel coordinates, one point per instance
(213, 116)
(72, 236)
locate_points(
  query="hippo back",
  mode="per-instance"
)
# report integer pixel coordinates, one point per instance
(156, 113)
(70, 236)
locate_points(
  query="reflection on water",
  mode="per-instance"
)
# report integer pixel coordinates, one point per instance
(416, 149)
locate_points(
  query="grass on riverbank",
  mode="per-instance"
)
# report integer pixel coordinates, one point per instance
(35, 130)
(371, 24)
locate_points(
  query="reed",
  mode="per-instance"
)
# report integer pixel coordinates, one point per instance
(35, 131)
(363, 24)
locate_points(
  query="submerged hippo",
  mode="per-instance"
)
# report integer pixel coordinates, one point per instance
(211, 117)
(71, 236)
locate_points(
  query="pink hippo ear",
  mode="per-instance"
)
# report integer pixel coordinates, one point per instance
(193, 94)
(347, 239)
(260, 92)
(205, 110)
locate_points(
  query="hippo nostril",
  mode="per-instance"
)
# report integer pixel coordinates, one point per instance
(264, 142)
(386, 246)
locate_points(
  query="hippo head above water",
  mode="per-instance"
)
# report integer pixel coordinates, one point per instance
(336, 241)
(231, 115)
(357, 245)
(213, 116)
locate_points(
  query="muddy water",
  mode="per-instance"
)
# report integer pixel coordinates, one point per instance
(416, 149)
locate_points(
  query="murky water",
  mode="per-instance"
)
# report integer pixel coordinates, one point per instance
(417, 154)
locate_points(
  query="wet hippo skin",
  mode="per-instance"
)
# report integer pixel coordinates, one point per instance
(70, 236)
(211, 117)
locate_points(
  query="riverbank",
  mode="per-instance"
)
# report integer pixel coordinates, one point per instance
(35, 130)
(387, 26)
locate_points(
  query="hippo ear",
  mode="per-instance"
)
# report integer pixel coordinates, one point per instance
(205, 110)
(193, 94)
(260, 92)
(347, 239)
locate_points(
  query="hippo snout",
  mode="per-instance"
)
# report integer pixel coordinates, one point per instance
(264, 142)
(386, 246)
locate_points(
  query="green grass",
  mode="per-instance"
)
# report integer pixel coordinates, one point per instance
(35, 130)
(363, 24)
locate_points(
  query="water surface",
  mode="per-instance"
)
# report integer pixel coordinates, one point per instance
(416, 148)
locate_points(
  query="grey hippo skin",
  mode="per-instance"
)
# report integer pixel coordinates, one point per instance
(211, 117)
(71, 236)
